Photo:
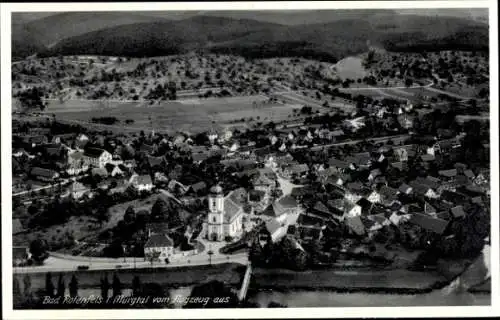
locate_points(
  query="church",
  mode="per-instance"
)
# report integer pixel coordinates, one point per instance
(225, 217)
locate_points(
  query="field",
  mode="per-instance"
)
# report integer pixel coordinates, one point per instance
(193, 115)
(351, 68)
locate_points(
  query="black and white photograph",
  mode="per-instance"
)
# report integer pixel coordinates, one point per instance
(285, 158)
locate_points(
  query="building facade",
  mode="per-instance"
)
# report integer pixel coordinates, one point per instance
(225, 217)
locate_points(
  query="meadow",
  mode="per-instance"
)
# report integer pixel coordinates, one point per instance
(191, 115)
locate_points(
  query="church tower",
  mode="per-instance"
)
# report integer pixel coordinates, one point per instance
(216, 214)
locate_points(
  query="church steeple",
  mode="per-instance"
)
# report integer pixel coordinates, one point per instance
(216, 199)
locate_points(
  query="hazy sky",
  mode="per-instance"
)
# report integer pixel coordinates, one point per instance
(474, 13)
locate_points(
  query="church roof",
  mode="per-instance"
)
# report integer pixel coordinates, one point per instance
(231, 210)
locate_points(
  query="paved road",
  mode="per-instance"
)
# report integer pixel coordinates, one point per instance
(59, 264)
(429, 85)
(62, 182)
(395, 138)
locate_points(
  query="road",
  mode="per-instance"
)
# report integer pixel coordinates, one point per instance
(429, 85)
(62, 182)
(71, 263)
(395, 138)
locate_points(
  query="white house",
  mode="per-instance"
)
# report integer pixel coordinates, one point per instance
(225, 217)
(114, 170)
(401, 154)
(276, 229)
(374, 197)
(158, 247)
(212, 136)
(352, 210)
(142, 182)
(96, 157)
(78, 190)
(76, 163)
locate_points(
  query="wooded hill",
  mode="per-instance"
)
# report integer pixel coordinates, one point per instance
(256, 39)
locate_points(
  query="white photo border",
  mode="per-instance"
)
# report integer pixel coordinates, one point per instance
(337, 312)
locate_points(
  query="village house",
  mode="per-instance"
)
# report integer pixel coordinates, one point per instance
(277, 230)
(198, 188)
(286, 208)
(355, 225)
(448, 175)
(352, 210)
(225, 217)
(263, 183)
(114, 170)
(339, 165)
(158, 247)
(142, 182)
(212, 135)
(400, 154)
(96, 157)
(295, 171)
(81, 141)
(76, 163)
(20, 255)
(43, 174)
(99, 172)
(436, 225)
(405, 189)
(78, 190)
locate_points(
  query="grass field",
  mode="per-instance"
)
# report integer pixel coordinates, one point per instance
(351, 68)
(193, 115)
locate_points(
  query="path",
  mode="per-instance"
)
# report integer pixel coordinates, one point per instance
(62, 182)
(395, 138)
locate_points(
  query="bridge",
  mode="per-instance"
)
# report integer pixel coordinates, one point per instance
(246, 283)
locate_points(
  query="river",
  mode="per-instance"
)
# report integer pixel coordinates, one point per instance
(454, 294)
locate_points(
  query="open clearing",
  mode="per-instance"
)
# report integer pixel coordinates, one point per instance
(350, 68)
(193, 115)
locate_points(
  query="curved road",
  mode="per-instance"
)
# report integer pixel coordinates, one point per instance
(59, 264)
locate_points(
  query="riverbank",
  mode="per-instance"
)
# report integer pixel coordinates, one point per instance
(229, 273)
(387, 281)
(471, 274)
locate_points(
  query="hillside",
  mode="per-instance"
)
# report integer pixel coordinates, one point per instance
(236, 34)
(159, 38)
(25, 41)
(69, 24)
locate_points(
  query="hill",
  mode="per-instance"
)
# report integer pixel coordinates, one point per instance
(251, 38)
(159, 38)
(25, 41)
(69, 24)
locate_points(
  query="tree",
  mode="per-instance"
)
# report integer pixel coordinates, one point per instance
(16, 288)
(129, 214)
(104, 287)
(136, 286)
(49, 286)
(117, 286)
(27, 285)
(38, 250)
(73, 286)
(60, 286)
(159, 209)
(114, 250)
